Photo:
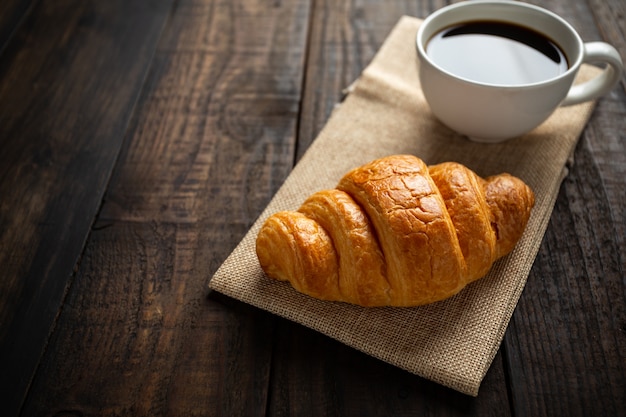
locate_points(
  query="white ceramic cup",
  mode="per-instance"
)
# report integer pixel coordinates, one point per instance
(492, 113)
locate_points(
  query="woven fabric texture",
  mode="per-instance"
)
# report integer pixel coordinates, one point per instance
(452, 342)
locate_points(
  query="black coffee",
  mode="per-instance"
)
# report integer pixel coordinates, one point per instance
(496, 53)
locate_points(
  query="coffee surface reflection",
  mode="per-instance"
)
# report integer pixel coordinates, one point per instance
(496, 53)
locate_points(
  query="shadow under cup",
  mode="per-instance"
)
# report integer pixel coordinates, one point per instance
(489, 112)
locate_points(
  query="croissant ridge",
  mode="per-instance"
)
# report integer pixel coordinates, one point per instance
(395, 232)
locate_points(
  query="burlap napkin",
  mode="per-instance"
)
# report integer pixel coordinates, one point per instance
(452, 342)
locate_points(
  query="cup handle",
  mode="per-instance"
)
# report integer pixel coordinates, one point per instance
(600, 52)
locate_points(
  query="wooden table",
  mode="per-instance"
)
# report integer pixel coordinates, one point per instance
(139, 140)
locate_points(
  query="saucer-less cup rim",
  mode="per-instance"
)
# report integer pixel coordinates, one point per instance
(469, 11)
(492, 112)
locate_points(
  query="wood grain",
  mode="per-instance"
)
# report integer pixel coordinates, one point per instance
(570, 320)
(344, 38)
(314, 375)
(138, 335)
(326, 379)
(567, 338)
(61, 133)
(211, 139)
(138, 143)
(12, 13)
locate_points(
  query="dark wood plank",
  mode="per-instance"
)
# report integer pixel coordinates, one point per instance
(211, 140)
(566, 341)
(567, 337)
(12, 13)
(68, 80)
(314, 375)
(310, 372)
(344, 38)
(139, 337)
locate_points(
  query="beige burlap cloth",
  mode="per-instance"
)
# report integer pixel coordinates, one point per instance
(452, 342)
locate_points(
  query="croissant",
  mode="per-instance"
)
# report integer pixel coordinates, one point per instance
(396, 232)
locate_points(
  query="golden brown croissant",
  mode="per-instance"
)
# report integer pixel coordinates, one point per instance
(396, 233)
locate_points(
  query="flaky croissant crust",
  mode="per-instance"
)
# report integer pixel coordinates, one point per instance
(395, 232)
